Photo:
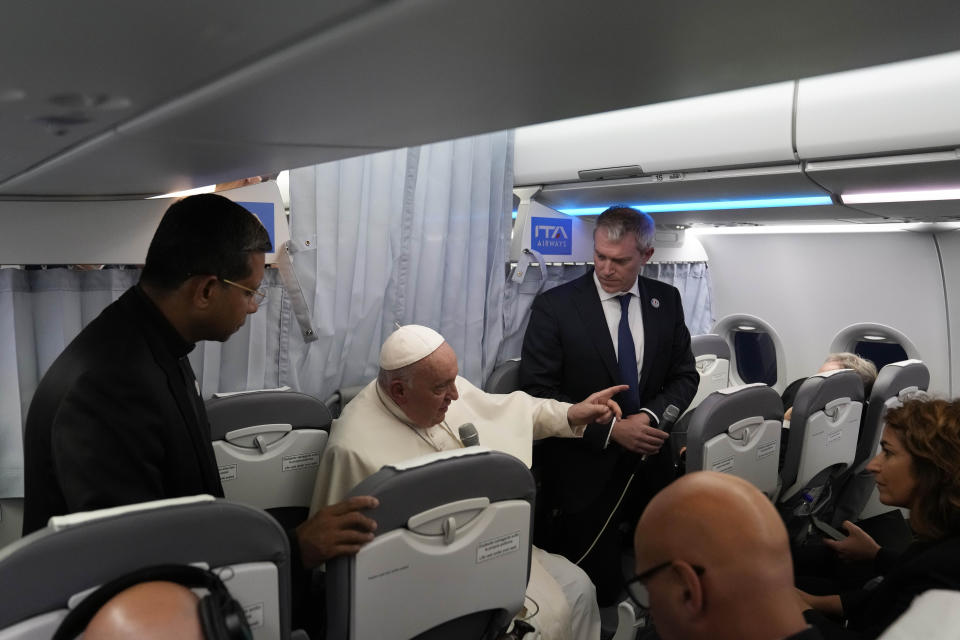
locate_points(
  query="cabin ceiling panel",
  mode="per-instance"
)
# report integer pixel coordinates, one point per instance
(360, 75)
(85, 68)
(183, 163)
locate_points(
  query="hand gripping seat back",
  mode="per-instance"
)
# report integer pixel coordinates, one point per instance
(451, 557)
(737, 431)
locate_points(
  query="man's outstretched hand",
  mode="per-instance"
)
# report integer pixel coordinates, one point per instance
(598, 407)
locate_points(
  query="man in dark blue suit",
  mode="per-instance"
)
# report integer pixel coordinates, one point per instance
(610, 326)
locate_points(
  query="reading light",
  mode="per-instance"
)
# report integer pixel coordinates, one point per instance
(712, 205)
(874, 337)
(901, 196)
(746, 327)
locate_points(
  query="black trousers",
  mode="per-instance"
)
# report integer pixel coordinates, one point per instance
(572, 534)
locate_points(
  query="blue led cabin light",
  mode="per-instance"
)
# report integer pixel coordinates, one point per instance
(716, 205)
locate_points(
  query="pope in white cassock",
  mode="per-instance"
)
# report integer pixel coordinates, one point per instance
(414, 408)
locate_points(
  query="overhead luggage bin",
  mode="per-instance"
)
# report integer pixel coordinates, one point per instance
(905, 106)
(749, 126)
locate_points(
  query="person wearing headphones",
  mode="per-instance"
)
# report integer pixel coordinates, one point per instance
(157, 603)
(147, 611)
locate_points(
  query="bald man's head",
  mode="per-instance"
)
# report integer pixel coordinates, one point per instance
(148, 611)
(727, 527)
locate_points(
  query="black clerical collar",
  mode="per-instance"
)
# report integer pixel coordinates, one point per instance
(171, 338)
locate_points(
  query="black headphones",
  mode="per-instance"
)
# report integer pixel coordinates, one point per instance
(221, 617)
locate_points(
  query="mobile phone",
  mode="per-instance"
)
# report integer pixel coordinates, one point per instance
(826, 529)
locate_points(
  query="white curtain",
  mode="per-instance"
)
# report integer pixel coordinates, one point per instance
(415, 235)
(41, 311)
(692, 279)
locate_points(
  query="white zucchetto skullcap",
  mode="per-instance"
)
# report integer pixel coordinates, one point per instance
(408, 344)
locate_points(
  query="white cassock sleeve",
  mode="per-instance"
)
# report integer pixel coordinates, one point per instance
(367, 436)
(510, 422)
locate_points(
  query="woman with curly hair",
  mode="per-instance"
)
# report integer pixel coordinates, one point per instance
(918, 467)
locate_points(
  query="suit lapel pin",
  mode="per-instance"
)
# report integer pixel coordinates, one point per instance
(655, 303)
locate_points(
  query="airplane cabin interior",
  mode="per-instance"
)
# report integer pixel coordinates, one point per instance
(801, 163)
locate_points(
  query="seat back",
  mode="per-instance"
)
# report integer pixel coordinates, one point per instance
(48, 572)
(505, 378)
(737, 431)
(895, 380)
(712, 355)
(823, 432)
(451, 557)
(268, 446)
(341, 397)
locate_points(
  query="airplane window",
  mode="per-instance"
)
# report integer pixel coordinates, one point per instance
(756, 357)
(880, 353)
(881, 344)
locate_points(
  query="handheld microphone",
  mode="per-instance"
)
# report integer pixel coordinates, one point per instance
(468, 435)
(670, 415)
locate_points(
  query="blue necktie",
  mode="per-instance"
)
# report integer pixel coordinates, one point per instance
(627, 359)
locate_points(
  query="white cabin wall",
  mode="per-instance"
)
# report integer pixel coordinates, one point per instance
(949, 242)
(810, 286)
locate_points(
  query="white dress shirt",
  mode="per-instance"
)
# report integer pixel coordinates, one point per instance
(611, 311)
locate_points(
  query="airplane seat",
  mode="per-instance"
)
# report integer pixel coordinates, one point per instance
(11, 520)
(895, 383)
(451, 557)
(712, 355)
(268, 446)
(505, 377)
(678, 440)
(821, 442)
(737, 431)
(49, 572)
(336, 402)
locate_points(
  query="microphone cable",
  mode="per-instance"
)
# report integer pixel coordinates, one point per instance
(670, 415)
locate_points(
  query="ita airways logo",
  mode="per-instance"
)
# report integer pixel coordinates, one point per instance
(552, 236)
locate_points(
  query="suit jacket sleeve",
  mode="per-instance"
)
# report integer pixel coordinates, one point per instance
(108, 444)
(681, 379)
(541, 357)
(541, 365)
